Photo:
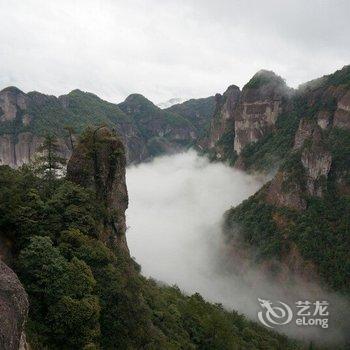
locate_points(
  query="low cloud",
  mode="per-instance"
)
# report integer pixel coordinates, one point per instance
(175, 216)
(166, 49)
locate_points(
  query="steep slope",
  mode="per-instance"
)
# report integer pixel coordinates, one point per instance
(85, 291)
(26, 118)
(13, 310)
(243, 118)
(197, 111)
(219, 138)
(98, 162)
(162, 131)
(302, 215)
(145, 129)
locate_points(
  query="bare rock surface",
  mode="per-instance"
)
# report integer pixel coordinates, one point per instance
(13, 310)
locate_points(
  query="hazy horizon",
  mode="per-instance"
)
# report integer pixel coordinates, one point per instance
(166, 49)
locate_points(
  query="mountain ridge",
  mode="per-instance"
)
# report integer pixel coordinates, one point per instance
(302, 138)
(26, 118)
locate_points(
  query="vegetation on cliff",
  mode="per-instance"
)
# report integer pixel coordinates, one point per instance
(307, 204)
(197, 111)
(86, 293)
(138, 121)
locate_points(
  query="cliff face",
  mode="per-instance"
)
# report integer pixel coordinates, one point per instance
(145, 129)
(260, 104)
(18, 115)
(243, 118)
(13, 310)
(321, 132)
(223, 120)
(16, 150)
(98, 162)
(300, 212)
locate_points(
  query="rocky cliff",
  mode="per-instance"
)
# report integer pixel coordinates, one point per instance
(220, 136)
(27, 118)
(13, 310)
(245, 117)
(145, 129)
(98, 162)
(260, 105)
(302, 207)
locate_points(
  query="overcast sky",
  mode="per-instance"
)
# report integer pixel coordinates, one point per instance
(165, 49)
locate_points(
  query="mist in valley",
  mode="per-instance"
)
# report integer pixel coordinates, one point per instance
(174, 231)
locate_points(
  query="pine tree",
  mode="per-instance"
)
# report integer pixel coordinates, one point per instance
(50, 164)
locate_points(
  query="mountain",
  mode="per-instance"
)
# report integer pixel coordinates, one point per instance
(66, 239)
(26, 118)
(302, 138)
(244, 117)
(162, 131)
(198, 111)
(145, 129)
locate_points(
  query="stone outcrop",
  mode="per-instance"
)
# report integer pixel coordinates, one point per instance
(12, 104)
(342, 113)
(284, 189)
(223, 120)
(18, 142)
(16, 150)
(221, 130)
(280, 194)
(317, 161)
(13, 310)
(98, 162)
(242, 118)
(260, 104)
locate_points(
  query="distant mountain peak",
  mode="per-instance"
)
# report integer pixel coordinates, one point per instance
(138, 98)
(264, 77)
(12, 89)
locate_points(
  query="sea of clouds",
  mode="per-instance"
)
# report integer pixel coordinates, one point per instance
(174, 221)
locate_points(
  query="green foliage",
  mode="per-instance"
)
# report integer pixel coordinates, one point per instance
(80, 110)
(84, 295)
(254, 217)
(321, 233)
(262, 78)
(197, 111)
(59, 295)
(340, 77)
(49, 163)
(152, 121)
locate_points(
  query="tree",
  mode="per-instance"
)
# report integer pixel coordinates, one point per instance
(50, 164)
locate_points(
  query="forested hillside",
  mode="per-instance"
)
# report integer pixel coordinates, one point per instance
(302, 138)
(66, 241)
(145, 129)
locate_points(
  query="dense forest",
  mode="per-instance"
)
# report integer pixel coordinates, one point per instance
(85, 293)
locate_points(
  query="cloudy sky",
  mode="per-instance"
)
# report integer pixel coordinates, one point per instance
(164, 48)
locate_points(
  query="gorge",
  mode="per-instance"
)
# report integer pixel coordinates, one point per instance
(175, 232)
(260, 212)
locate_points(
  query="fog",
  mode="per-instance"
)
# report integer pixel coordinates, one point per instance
(174, 231)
